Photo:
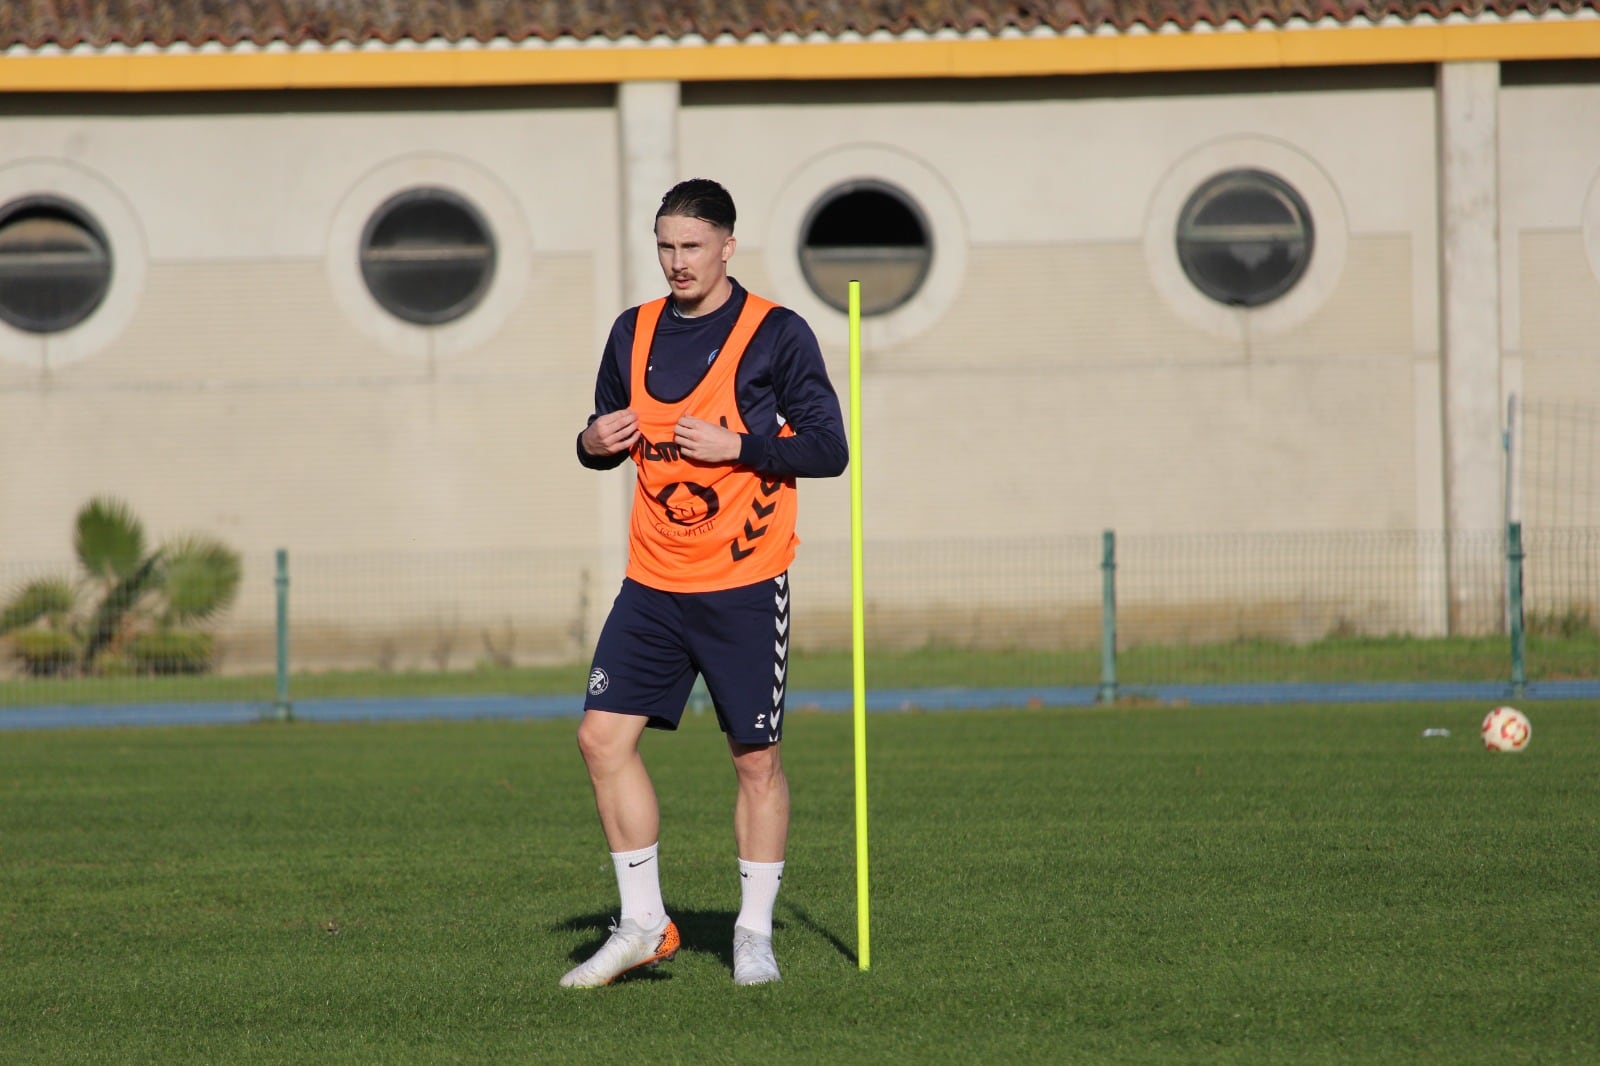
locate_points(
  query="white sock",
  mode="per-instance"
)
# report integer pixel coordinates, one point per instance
(758, 891)
(639, 882)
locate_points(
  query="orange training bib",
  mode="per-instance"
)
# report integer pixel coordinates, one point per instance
(701, 527)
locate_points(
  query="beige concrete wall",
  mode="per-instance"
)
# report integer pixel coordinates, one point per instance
(1550, 224)
(256, 390)
(1056, 376)
(1063, 381)
(240, 380)
(1550, 271)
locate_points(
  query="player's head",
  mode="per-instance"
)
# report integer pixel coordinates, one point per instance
(700, 198)
(694, 241)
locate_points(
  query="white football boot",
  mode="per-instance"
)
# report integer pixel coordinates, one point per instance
(753, 963)
(629, 948)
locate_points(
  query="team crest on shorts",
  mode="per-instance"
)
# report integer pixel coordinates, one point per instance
(599, 681)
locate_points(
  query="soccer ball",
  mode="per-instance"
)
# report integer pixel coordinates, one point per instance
(1506, 729)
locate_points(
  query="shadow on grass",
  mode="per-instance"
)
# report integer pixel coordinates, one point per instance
(803, 918)
(707, 932)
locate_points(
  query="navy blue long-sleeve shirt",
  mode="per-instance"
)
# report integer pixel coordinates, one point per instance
(782, 379)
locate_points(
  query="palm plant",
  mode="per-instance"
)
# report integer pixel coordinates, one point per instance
(124, 592)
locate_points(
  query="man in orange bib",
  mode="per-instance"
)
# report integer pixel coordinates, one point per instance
(722, 401)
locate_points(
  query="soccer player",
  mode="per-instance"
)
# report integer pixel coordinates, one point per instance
(722, 400)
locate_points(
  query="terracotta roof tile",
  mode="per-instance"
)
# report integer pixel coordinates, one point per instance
(99, 23)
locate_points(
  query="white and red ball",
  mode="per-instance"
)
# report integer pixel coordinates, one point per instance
(1506, 729)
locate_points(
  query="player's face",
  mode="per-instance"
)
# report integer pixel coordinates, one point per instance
(694, 257)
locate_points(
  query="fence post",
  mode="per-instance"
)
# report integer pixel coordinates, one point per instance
(282, 707)
(1519, 645)
(1108, 617)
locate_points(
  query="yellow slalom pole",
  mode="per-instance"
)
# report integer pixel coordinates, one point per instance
(858, 633)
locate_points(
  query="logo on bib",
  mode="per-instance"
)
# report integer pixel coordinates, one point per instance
(684, 503)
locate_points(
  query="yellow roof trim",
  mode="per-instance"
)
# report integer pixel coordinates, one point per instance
(387, 68)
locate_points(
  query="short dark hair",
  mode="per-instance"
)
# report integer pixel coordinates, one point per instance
(699, 198)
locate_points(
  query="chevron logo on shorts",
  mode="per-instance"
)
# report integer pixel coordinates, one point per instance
(780, 650)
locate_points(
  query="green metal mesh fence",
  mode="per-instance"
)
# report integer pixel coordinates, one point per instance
(1189, 609)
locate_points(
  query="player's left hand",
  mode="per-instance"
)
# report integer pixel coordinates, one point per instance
(705, 442)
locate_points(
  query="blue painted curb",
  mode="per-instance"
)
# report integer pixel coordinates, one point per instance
(464, 708)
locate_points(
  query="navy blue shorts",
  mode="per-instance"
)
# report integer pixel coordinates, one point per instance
(654, 643)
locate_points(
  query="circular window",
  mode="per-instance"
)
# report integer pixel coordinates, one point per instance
(55, 264)
(427, 256)
(869, 232)
(1245, 238)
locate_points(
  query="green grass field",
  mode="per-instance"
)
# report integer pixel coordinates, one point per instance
(1294, 885)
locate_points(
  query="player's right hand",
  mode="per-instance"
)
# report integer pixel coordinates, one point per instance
(611, 433)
